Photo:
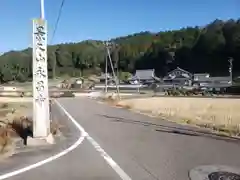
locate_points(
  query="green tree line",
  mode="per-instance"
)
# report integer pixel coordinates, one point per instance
(196, 49)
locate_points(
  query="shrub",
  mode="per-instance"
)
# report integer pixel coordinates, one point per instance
(124, 75)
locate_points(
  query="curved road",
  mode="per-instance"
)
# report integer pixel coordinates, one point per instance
(119, 144)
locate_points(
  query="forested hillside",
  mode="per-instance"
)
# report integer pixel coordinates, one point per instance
(205, 49)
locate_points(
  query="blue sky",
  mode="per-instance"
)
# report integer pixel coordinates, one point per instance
(105, 19)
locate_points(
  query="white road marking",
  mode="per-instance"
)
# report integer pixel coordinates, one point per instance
(98, 148)
(52, 158)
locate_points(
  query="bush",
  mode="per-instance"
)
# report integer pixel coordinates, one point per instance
(6, 75)
(124, 75)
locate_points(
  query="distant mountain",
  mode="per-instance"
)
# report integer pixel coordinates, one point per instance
(196, 49)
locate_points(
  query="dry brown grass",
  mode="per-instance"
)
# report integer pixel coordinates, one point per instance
(126, 106)
(110, 101)
(110, 98)
(55, 128)
(218, 114)
(4, 137)
(14, 124)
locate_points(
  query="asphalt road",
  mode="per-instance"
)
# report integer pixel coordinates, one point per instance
(130, 146)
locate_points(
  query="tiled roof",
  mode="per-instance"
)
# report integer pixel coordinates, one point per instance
(179, 69)
(146, 74)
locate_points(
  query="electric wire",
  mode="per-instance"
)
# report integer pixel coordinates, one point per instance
(58, 19)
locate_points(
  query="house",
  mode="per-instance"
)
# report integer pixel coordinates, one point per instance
(178, 76)
(215, 82)
(146, 75)
(198, 76)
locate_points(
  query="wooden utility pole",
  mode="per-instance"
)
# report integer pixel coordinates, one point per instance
(230, 69)
(106, 72)
(107, 45)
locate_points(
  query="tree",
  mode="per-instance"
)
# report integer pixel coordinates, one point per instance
(195, 49)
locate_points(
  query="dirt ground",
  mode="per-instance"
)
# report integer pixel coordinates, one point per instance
(209, 112)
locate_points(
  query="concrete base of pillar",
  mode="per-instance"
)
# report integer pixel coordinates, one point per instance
(41, 141)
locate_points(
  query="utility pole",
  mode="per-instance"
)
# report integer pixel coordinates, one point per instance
(116, 59)
(230, 69)
(41, 114)
(106, 72)
(112, 67)
(42, 10)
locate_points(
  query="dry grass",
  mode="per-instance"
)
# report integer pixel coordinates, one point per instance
(127, 106)
(55, 128)
(14, 124)
(218, 114)
(6, 142)
(13, 120)
(110, 98)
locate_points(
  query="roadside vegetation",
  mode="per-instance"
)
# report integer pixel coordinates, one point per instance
(16, 126)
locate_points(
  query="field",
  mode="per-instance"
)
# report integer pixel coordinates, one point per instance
(218, 114)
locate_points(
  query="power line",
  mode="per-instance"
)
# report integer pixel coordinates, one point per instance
(58, 19)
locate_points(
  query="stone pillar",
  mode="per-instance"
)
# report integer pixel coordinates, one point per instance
(41, 120)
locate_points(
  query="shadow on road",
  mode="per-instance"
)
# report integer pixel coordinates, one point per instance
(177, 129)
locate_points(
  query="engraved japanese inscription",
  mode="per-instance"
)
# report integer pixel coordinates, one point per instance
(40, 80)
(40, 69)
